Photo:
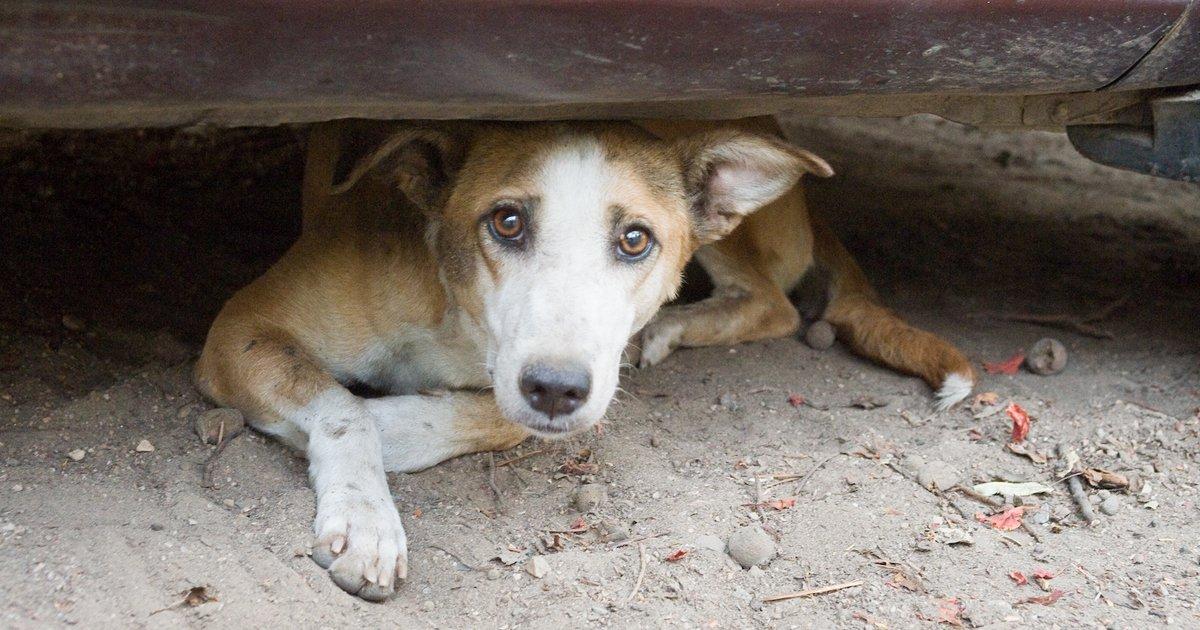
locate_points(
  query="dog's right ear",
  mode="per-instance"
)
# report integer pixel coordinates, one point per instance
(419, 161)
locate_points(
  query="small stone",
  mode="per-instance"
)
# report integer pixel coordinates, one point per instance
(751, 547)
(17, 487)
(1042, 515)
(756, 572)
(820, 335)
(937, 475)
(590, 496)
(77, 454)
(986, 613)
(614, 532)
(427, 605)
(493, 574)
(208, 425)
(537, 567)
(727, 401)
(144, 447)
(1110, 506)
(73, 323)
(1046, 357)
(654, 441)
(156, 527)
(1103, 494)
(954, 536)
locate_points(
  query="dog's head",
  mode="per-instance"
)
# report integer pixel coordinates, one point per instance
(562, 240)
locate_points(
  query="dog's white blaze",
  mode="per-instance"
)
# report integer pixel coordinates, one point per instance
(567, 298)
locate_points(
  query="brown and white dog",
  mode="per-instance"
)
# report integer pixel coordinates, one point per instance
(507, 266)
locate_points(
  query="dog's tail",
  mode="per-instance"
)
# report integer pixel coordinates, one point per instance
(875, 332)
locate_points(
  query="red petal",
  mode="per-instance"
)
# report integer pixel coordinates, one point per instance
(1007, 366)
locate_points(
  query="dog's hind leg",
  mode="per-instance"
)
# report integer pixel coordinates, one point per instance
(745, 305)
(875, 332)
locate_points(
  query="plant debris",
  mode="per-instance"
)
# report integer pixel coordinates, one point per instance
(677, 555)
(777, 505)
(1044, 600)
(1008, 488)
(812, 591)
(950, 612)
(1005, 521)
(1019, 578)
(1007, 366)
(1020, 422)
(1106, 479)
(1026, 450)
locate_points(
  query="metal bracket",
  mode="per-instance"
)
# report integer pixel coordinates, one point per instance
(1168, 147)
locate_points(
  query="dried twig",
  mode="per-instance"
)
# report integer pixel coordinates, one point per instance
(805, 477)
(518, 458)
(812, 591)
(1076, 487)
(639, 539)
(210, 464)
(492, 478)
(758, 499)
(1082, 325)
(637, 585)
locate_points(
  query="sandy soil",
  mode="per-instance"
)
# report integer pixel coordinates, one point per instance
(118, 248)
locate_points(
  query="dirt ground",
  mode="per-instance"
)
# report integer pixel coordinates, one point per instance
(118, 248)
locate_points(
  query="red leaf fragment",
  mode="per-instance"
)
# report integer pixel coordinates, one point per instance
(1020, 420)
(1044, 574)
(1006, 521)
(950, 612)
(1007, 366)
(795, 400)
(578, 525)
(1019, 578)
(1044, 600)
(777, 504)
(677, 555)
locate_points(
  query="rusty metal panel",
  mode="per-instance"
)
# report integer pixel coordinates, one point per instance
(176, 61)
(1174, 61)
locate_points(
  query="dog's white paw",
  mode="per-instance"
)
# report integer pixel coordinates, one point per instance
(361, 541)
(659, 338)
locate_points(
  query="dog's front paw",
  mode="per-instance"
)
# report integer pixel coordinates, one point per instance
(362, 543)
(659, 338)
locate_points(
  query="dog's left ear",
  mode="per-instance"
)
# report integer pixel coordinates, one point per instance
(728, 174)
(419, 161)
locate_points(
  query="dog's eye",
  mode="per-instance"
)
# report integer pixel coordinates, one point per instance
(634, 243)
(507, 223)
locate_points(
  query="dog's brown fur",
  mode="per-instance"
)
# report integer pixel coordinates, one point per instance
(757, 266)
(386, 288)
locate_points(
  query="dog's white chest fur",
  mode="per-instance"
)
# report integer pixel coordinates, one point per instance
(416, 358)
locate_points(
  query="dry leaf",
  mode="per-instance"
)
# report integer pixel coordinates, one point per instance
(1007, 488)
(795, 400)
(1101, 478)
(950, 612)
(777, 504)
(1044, 600)
(986, 399)
(1007, 366)
(1006, 521)
(578, 525)
(1044, 574)
(1020, 420)
(900, 579)
(1028, 451)
(196, 596)
(1019, 578)
(677, 555)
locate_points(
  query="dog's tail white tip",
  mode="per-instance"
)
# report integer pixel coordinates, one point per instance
(954, 389)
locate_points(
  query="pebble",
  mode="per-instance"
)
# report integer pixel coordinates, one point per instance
(427, 605)
(614, 532)
(1042, 516)
(992, 611)
(77, 454)
(73, 323)
(727, 401)
(537, 567)
(1046, 356)
(144, 447)
(654, 441)
(208, 424)
(590, 496)
(820, 335)
(751, 546)
(937, 475)
(1110, 506)
(156, 527)
(493, 574)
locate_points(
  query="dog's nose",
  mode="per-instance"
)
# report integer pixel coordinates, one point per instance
(555, 390)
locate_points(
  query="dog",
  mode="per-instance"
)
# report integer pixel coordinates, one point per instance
(488, 277)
